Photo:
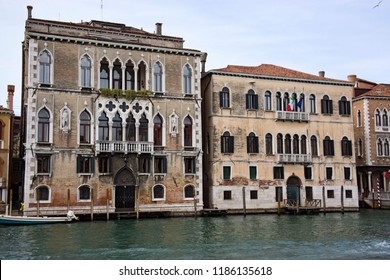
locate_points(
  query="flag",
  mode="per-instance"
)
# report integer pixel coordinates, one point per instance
(290, 106)
(299, 104)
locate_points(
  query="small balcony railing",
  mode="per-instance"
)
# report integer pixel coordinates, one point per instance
(294, 158)
(124, 147)
(292, 116)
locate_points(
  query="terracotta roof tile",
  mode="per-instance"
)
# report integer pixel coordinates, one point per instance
(274, 71)
(381, 90)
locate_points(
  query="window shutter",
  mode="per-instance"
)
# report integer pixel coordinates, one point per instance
(248, 142)
(92, 165)
(348, 108)
(256, 144)
(341, 111)
(164, 165)
(330, 107)
(231, 144)
(247, 101)
(331, 142)
(256, 102)
(221, 99)
(323, 106)
(222, 145)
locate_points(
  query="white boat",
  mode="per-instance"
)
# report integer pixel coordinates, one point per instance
(26, 220)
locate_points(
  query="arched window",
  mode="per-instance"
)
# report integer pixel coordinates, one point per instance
(267, 101)
(346, 147)
(143, 128)
(295, 144)
(227, 143)
(268, 144)
(157, 77)
(84, 192)
(379, 147)
(278, 101)
(301, 103)
(141, 76)
(328, 146)
(378, 118)
(344, 106)
(359, 118)
(85, 127)
(44, 67)
(251, 100)
(130, 128)
(158, 192)
(313, 109)
(279, 143)
(117, 128)
(313, 146)
(287, 144)
(85, 71)
(252, 143)
(303, 145)
(224, 98)
(157, 135)
(129, 73)
(104, 74)
(385, 119)
(117, 75)
(188, 132)
(286, 101)
(187, 79)
(42, 193)
(386, 147)
(43, 126)
(103, 127)
(189, 191)
(360, 147)
(326, 105)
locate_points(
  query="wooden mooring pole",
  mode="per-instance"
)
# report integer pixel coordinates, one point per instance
(342, 199)
(108, 202)
(243, 201)
(137, 201)
(323, 200)
(91, 204)
(37, 202)
(10, 203)
(68, 201)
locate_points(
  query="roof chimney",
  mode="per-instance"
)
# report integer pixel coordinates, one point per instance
(29, 9)
(158, 28)
(352, 78)
(10, 100)
(321, 73)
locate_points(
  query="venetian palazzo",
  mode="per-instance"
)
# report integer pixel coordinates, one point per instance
(112, 119)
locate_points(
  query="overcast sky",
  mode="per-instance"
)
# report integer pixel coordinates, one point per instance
(340, 37)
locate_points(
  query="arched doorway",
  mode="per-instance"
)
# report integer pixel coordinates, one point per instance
(293, 189)
(124, 182)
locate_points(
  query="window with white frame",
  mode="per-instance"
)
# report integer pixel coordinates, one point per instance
(158, 77)
(187, 79)
(158, 192)
(45, 61)
(85, 71)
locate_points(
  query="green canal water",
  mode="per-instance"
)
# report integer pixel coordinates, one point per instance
(351, 236)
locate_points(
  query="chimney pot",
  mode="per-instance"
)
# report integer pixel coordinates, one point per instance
(321, 73)
(29, 9)
(10, 100)
(158, 28)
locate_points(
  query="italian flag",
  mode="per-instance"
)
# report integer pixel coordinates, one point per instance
(290, 106)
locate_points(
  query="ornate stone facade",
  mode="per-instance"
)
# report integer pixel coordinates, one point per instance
(112, 118)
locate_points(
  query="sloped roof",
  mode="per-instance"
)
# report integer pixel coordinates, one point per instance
(381, 90)
(273, 71)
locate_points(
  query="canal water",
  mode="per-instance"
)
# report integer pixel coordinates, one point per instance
(360, 235)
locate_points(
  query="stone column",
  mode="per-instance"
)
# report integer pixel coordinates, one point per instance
(369, 173)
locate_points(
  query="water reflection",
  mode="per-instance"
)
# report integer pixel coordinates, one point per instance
(363, 235)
